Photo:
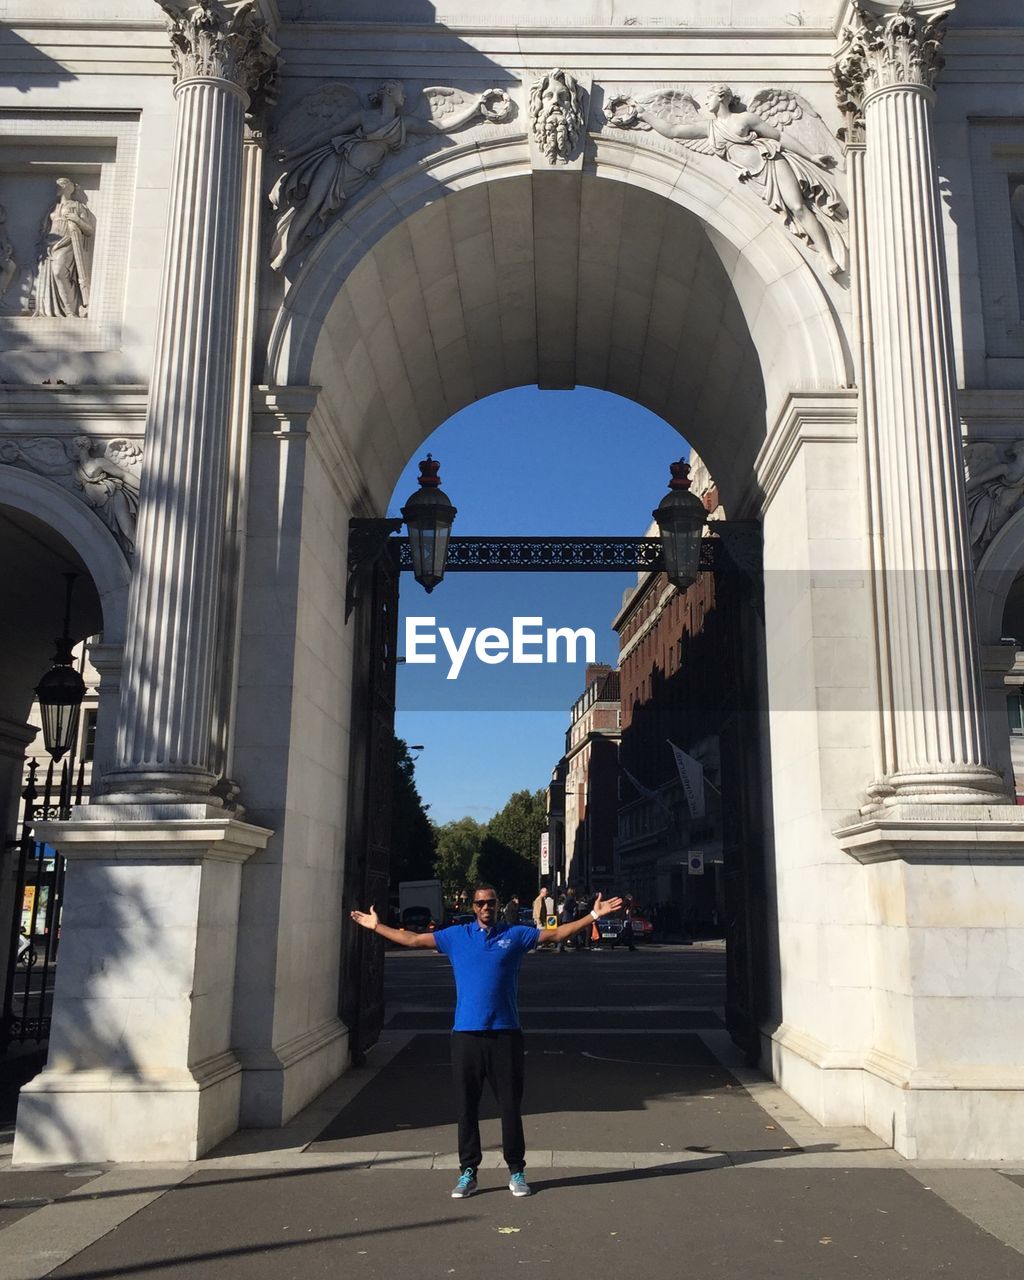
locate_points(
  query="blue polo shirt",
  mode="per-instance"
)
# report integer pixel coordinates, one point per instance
(486, 966)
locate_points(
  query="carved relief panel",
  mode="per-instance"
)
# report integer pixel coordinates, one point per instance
(87, 440)
(997, 173)
(778, 146)
(66, 187)
(333, 144)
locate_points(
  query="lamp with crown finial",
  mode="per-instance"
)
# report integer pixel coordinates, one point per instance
(428, 516)
(681, 517)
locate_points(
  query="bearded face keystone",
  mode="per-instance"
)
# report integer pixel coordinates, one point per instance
(557, 116)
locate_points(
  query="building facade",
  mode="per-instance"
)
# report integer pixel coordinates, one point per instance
(676, 678)
(254, 253)
(591, 772)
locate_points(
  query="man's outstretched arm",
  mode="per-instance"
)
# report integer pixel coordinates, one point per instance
(403, 937)
(601, 908)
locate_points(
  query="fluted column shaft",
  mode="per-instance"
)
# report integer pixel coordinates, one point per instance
(236, 497)
(856, 163)
(938, 724)
(933, 747)
(167, 702)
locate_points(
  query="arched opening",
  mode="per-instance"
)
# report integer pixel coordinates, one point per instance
(999, 581)
(596, 737)
(35, 557)
(699, 308)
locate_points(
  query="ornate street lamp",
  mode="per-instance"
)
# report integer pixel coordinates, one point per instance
(61, 690)
(428, 516)
(681, 517)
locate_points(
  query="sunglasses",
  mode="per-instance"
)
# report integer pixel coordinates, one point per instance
(486, 902)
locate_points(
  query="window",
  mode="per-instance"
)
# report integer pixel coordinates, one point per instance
(88, 736)
(1015, 712)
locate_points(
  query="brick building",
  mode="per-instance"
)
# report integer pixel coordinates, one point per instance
(674, 675)
(590, 771)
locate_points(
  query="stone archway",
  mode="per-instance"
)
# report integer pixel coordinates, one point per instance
(684, 296)
(45, 533)
(644, 271)
(999, 569)
(441, 289)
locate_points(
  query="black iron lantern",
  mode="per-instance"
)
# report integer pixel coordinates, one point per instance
(681, 517)
(428, 516)
(61, 690)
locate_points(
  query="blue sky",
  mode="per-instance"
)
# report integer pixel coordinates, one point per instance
(524, 462)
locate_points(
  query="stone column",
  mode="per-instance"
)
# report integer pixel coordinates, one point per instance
(856, 163)
(164, 749)
(233, 566)
(935, 743)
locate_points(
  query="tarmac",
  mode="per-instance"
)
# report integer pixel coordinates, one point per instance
(653, 1151)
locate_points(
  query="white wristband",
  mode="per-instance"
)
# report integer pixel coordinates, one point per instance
(595, 915)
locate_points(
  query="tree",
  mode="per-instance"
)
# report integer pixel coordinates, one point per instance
(455, 862)
(519, 824)
(412, 833)
(507, 870)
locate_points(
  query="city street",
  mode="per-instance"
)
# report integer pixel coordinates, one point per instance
(652, 1152)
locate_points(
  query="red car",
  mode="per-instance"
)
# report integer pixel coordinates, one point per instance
(643, 930)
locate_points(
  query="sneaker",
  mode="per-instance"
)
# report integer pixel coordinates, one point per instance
(466, 1185)
(518, 1185)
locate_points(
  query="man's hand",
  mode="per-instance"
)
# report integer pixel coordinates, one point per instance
(400, 937)
(602, 908)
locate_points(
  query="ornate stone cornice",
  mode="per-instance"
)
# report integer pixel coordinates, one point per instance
(881, 51)
(209, 40)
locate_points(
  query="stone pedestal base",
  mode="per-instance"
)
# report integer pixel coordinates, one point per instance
(278, 1083)
(88, 1116)
(940, 1076)
(967, 1114)
(140, 1066)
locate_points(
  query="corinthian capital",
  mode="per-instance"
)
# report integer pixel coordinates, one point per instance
(879, 51)
(211, 39)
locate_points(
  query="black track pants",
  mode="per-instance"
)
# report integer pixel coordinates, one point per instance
(497, 1057)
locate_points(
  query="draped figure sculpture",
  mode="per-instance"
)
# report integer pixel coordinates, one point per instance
(64, 278)
(110, 483)
(8, 265)
(759, 143)
(995, 489)
(326, 166)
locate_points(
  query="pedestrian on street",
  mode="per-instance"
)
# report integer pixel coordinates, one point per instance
(626, 935)
(543, 906)
(487, 1040)
(511, 913)
(569, 911)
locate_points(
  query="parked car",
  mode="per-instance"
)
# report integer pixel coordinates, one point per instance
(609, 929)
(459, 917)
(643, 930)
(418, 920)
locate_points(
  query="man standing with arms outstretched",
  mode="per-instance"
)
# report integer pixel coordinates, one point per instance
(487, 1041)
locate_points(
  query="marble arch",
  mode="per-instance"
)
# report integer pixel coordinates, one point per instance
(775, 325)
(830, 408)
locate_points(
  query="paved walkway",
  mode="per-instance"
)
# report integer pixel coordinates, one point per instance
(652, 1152)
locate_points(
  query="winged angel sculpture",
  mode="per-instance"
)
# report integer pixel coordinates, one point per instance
(759, 142)
(331, 146)
(995, 488)
(108, 472)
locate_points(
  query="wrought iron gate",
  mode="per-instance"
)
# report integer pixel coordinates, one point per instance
(36, 910)
(375, 561)
(371, 762)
